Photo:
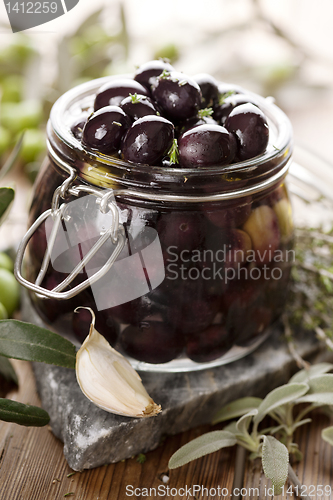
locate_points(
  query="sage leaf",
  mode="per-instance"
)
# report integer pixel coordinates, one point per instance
(203, 445)
(29, 342)
(231, 427)
(6, 198)
(281, 395)
(7, 370)
(327, 435)
(313, 371)
(274, 430)
(302, 422)
(320, 390)
(19, 413)
(243, 423)
(236, 409)
(275, 460)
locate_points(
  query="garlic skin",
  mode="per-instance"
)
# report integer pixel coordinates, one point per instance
(108, 380)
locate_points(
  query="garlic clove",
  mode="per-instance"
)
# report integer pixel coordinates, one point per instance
(108, 380)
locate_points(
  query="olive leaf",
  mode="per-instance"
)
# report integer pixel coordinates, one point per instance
(313, 371)
(10, 162)
(91, 20)
(275, 460)
(6, 198)
(203, 445)
(19, 413)
(327, 435)
(7, 370)
(320, 390)
(281, 395)
(29, 342)
(236, 409)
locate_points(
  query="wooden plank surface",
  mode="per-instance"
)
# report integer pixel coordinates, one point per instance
(32, 466)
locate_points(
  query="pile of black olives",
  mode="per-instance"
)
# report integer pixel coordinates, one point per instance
(162, 117)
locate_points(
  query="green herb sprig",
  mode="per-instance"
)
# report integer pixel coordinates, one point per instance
(310, 301)
(173, 153)
(141, 458)
(223, 96)
(205, 112)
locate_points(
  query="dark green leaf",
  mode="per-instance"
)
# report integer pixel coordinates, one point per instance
(21, 340)
(7, 370)
(12, 411)
(236, 409)
(12, 157)
(6, 198)
(275, 460)
(203, 445)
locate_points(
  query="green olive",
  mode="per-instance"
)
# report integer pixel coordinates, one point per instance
(9, 291)
(33, 144)
(3, 312)
(18, 53)
(17, 116)
(4, 140)
(11, 87)
(6, 262)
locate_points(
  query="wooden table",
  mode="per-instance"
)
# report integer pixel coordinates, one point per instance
(32, 466)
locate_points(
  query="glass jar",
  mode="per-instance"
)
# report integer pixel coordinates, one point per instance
(184, 268)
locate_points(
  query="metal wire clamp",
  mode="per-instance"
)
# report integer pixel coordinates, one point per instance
(115, 232)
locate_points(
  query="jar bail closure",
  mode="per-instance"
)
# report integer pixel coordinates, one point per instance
(57, 212)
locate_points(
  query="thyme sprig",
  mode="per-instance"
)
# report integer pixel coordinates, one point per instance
(310, 301)
(224, 96)
(205, 112)
(173, 153)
